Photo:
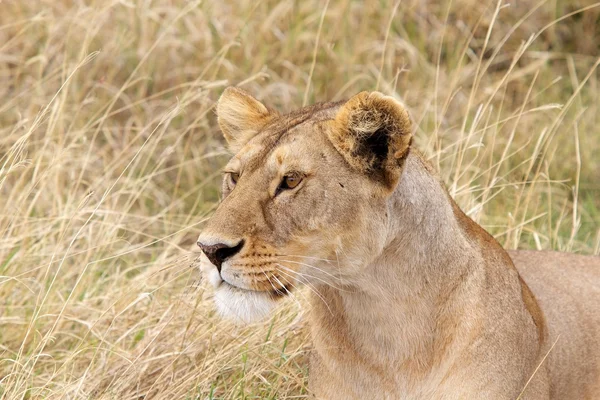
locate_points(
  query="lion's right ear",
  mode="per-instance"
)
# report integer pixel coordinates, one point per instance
(373, 132)
(241, 117)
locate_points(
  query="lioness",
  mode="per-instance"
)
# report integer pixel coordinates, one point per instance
(411, 298)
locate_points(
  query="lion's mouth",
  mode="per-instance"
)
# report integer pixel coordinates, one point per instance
(281, 292)
(274, 293)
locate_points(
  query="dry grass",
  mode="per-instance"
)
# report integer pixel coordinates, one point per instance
(110, 156)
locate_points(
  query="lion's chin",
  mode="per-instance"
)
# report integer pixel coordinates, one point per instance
(243, 306)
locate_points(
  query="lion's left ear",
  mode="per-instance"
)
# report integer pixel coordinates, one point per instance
(241, 117)
(373, 132)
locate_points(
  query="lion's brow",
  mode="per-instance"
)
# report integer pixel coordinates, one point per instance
(277, 131)
(295, 118)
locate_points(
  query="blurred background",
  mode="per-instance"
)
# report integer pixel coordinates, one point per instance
(110, 161)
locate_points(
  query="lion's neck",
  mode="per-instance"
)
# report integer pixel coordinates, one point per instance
(408, 294)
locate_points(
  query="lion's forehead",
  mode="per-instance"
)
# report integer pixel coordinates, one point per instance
(284, 146)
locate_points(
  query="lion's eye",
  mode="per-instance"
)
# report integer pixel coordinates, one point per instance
(234, 177)
(290, 182)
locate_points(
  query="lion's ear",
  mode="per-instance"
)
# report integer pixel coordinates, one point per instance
(241, 117)
(373, 132)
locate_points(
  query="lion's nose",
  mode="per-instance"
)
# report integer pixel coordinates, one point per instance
(218, 253)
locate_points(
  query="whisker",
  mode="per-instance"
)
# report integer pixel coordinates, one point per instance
(309, 257)
(288, 291)
(312, 288)
(284, 287)
(312, 266)
(269, 279)
(297, 289)
(314, 277)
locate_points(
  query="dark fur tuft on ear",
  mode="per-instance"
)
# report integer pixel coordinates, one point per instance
(241, 117)
(373, 132)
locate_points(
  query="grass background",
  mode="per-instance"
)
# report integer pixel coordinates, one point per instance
(110, 157)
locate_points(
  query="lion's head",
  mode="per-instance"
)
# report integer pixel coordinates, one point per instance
(305, 197)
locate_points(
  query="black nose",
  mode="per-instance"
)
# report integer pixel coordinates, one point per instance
(217, 253)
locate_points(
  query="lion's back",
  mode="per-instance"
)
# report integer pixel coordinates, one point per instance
(567, 287)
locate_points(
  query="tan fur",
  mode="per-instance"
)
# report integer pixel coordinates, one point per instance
(241, 116)
(372, 116)
(411, 298)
